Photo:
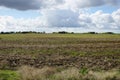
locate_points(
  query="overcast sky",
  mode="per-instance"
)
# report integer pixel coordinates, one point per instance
(60, 15)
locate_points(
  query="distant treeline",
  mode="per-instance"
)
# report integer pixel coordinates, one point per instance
(99, 33)
(23, 32)
(64, 32)
(60, 32)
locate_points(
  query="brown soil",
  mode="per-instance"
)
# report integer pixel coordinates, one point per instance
(105, 62)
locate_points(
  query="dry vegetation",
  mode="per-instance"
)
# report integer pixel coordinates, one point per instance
(50, 73)
(95, 52)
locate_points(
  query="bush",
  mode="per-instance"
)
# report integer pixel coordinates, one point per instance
(62, 32)
(109, 33)
(92, 33)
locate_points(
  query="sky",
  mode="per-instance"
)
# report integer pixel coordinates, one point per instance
(60, 15)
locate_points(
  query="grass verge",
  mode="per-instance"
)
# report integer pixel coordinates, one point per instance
(9, 75)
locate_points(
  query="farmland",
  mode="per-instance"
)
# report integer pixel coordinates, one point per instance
(94, 52)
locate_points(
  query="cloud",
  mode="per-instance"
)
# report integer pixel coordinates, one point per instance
(57, 19)
(61, 18)
(60, 15)
(116, 17)
(101, 20)
(89, 3)
(21, 4)
(42, 4)
(9, 23)
(29, 4)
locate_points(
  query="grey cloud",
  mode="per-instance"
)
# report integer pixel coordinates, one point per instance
(61, 18)
(38, 4)
(89, 3)
(93, 3)
(29, 4)
(21, 4)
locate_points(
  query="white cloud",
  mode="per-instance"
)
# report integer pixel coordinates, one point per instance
(116, 17)
(102, 20)
(9, 23)
(62, 19)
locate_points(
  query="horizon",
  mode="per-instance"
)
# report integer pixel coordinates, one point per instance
(57, 32)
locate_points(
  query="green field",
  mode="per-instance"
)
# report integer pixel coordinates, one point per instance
(96, 52)
(59, 43)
